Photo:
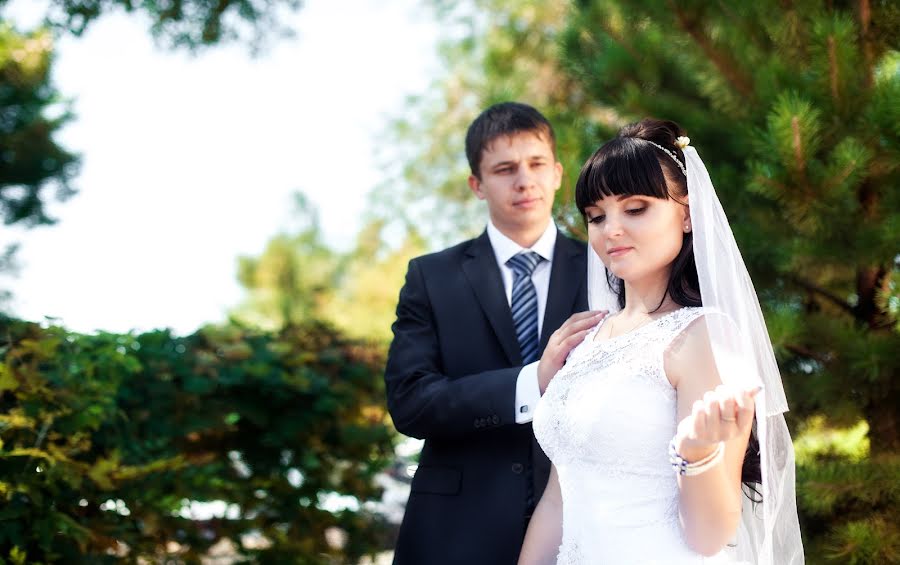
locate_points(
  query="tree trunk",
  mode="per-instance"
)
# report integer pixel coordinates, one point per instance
(868, 281)
(884, 422)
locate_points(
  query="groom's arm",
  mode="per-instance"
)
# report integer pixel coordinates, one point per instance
(423, 401)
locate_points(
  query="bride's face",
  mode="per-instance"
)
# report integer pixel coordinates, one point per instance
(637, 236)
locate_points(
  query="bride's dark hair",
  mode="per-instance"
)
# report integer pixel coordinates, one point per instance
(630, 164)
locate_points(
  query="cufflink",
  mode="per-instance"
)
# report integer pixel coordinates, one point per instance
(523, 409)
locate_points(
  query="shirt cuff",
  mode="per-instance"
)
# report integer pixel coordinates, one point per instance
(527, 393)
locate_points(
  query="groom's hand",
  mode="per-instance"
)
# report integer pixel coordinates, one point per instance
(562, 341)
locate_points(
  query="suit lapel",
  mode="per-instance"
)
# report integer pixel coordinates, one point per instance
(480, 268)
(567, 293)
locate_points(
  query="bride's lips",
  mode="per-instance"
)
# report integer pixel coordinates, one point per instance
(618, 251)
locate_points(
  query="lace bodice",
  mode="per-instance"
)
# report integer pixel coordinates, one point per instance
(605, 421)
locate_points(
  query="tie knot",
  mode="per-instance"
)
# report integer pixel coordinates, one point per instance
(524, 263)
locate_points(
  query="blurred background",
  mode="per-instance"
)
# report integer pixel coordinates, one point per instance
(208, 209)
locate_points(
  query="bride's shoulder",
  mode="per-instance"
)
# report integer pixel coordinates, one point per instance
(690, 332)
(687, 314)
(690, 349)
(690, 322)
(691, 327)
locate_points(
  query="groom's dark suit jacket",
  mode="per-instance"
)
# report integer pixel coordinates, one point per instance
(451, 380)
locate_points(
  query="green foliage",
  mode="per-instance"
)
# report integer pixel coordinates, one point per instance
(365, 294)
(815, 440)
(871, 540)
(841, 486)
(107, 442)
(293, 277)
(848, 500)
(190, 24)
(849, 509)
(32, 164)
(298, 276)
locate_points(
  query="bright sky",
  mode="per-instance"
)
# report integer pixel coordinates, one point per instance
(190, 161)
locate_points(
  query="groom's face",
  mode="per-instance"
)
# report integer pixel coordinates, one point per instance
(519, 178)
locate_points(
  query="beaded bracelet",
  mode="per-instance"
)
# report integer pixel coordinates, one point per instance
(686, 469)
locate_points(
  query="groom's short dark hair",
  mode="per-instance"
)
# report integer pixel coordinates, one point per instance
(503, 119)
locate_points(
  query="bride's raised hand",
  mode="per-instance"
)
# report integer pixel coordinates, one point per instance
(562, 341)
(722, 414)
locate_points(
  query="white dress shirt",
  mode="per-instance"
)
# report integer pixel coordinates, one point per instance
(527, 391)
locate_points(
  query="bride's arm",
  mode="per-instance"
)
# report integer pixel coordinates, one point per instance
(710, 503)
(544, 533)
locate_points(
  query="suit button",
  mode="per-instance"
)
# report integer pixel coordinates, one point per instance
(495, 419)
(517, 468)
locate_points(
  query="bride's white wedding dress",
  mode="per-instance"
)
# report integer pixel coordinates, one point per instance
(605, 421)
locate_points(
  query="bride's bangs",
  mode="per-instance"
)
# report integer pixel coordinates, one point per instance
(621, 167)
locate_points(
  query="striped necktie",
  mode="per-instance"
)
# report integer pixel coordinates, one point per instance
(524, 304)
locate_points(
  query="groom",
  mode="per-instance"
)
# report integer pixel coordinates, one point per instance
(472, 321)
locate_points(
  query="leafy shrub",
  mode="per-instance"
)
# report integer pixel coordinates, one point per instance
(109, 442)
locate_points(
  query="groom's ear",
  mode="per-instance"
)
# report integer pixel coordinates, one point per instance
(475, 185)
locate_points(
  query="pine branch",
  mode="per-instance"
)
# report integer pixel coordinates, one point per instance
(833, 68)
(759, 37)
(779, 189)
(837, 179)
(635, 54)
(816, 289)
(798, 153)
(725, 64)
(865, 18)
(806, 352)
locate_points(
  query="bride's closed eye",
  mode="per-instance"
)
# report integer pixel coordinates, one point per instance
(630, 211)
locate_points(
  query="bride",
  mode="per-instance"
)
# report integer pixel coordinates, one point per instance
(665, 422)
